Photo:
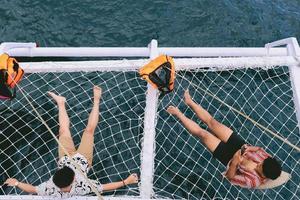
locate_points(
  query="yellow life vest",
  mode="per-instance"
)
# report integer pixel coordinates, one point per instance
(10, 74)
(150, 71)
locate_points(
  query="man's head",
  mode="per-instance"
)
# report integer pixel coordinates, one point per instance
(63, 177)
(271, 168)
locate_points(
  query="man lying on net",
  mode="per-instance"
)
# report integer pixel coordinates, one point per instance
(67, 180)
(247, 166)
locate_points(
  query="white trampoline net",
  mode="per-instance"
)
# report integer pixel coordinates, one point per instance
(29, 152)
(184, 168)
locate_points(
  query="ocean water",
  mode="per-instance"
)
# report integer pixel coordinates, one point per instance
(135, 23)
(201, 23)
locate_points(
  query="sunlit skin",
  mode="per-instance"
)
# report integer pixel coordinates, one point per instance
(259, 170)
(219, 132)
(249, 164)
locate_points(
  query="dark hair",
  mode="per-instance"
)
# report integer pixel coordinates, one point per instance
(63, 177)
(271, 168)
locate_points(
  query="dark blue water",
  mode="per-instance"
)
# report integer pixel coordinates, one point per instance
(135, 23)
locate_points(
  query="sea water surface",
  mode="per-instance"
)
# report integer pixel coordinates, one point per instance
(134, 23)
(78, 23)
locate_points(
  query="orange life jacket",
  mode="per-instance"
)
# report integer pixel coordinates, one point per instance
(10, 74)
(150, 71)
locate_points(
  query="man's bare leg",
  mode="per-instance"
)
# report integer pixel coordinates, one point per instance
(220, 130)
(64, 125)
(94, 115)
(209, 140)
(87, 141)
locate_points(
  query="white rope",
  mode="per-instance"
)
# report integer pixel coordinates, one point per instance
(193, 172)
(198, 165)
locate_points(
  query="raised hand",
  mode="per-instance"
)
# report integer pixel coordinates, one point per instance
(133, 178)
(11, 182)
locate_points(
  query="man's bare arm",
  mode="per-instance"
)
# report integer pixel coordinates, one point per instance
(231, 170)
(23, 186)
(133, 178)
(252, 148)
(113, 185)
(236, 160)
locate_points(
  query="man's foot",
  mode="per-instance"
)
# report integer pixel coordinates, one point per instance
(173, 110)
(97, 92)
(57, 98)
(187, 98)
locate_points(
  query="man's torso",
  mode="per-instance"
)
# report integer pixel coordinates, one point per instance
(80, 186)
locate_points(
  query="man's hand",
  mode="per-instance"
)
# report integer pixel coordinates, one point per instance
(237, 158)
(23, 186)
(133, 178)
(251, 148)
(12, 182)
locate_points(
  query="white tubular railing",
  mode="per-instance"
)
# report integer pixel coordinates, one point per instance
(221, 51)
(30, 50)
(293, 49)
(148, 145)
(79, 52)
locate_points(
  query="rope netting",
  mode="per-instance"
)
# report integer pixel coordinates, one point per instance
(184, 168)
(29, 152)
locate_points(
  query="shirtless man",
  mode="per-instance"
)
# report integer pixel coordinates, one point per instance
(247, 166)
(67, 180)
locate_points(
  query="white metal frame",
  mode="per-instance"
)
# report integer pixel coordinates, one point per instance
(148, 146)
(292, 50)
(31, 50)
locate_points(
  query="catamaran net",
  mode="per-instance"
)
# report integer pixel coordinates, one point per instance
(183, 167)
(29, 152)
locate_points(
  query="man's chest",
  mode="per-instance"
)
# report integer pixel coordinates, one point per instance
(249, 164)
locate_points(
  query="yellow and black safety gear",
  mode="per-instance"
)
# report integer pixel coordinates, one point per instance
(10, 74)
(162, 65)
